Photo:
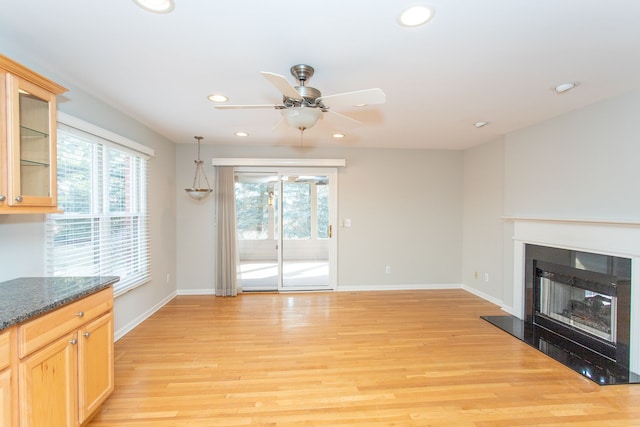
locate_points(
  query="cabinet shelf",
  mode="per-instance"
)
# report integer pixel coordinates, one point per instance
(26, 162)
(27, 132)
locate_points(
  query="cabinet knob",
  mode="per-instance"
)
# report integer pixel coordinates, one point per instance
(87, 334)
(18, 199)
(80, 313)
(3, 197)
(73, 341)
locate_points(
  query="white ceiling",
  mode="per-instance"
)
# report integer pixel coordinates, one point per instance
(489, 60)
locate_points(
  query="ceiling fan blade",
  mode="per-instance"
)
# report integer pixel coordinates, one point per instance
(342, 122)
(233, 107)
(281, 126)
(282, 84)
(357, 98)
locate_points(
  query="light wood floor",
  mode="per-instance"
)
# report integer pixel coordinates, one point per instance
(411, 358)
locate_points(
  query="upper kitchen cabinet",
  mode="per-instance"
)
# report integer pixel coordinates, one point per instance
(28, 181)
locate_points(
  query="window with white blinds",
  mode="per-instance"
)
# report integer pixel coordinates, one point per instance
(104, 230)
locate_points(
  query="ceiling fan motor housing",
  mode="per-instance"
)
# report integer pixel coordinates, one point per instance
(309, 96)
(302, 72)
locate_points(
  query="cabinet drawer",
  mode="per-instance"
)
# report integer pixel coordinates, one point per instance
(38, 332)
(4, 349)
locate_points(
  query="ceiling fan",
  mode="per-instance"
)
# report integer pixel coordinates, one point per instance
(303, 105)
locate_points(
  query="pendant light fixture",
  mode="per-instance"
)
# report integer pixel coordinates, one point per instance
(197, 192)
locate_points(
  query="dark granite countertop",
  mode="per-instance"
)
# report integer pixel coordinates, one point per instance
(27, 297)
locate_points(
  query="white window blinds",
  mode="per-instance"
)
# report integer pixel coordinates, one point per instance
(104, 230)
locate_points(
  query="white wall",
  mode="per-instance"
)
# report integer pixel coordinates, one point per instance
(22, 242)
(195, 224)
(582, 165)
(21, 246)
(405, 207)
(482, 224)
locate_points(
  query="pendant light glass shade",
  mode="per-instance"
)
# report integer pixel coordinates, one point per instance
(197, 192)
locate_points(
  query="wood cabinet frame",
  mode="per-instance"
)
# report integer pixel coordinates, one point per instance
(13, 78)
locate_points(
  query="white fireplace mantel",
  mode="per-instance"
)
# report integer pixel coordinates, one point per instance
(608, 237)
(620, 238)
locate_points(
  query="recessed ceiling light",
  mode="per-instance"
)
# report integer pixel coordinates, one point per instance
(242, 134)
(156, 6)
(338, 135)
(415, 16)
(480, 124)
(216, 97)
(565, 87)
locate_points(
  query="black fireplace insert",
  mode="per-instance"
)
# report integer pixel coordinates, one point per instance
(583, 306)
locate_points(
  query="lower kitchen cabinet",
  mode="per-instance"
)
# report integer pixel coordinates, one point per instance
(95, 365)
(66, 368)
(5, 380)
(48, 385)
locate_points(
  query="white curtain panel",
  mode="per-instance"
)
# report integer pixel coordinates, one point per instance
(226, 245)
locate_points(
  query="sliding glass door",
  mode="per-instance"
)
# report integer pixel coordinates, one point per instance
(255, 221)
(285, 230)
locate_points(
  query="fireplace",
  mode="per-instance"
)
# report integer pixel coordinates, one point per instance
(577, 305)
(581, 297)
(572, 296)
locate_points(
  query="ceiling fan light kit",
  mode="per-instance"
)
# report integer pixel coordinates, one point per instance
(302, 106)
(301, 118)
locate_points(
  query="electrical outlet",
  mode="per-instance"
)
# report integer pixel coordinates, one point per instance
(475, 275)
(486, 277)
(387, 269)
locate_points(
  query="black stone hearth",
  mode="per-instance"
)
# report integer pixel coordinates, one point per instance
(592, 365)
(577, 311)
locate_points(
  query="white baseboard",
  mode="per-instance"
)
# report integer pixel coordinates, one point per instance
(364, 288)
(482, 295)
(508, 309)
(196, 292)
(144, 316)
(487, 297)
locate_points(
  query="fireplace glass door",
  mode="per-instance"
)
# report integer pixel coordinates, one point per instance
(586, 310)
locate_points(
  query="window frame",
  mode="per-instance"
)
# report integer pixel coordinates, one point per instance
(100, 219)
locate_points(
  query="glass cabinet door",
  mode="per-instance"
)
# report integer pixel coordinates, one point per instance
(32, 144)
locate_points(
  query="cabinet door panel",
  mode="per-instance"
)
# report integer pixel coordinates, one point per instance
(32, 144)
(5, 398)
(95, 364)
(48, 385)
(5, 349)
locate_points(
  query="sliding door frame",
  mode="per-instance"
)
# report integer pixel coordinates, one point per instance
(332, 174)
